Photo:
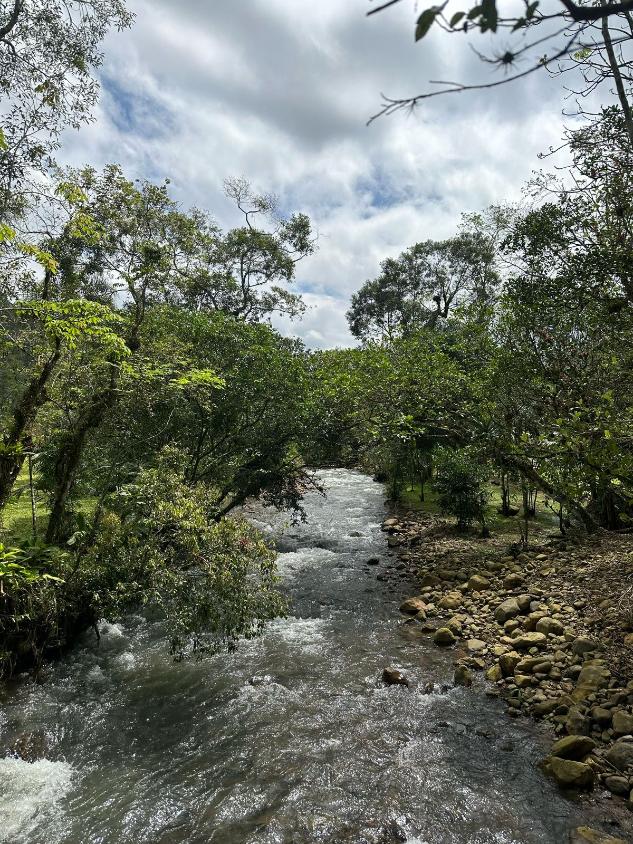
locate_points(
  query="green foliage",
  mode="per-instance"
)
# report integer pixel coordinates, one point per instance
(461, 484)
(160, 546)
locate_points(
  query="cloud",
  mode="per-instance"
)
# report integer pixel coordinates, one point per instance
(280, 92)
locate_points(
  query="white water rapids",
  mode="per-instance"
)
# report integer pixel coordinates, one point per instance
(291, 739)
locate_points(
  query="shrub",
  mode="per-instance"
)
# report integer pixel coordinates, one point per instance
(460, 483)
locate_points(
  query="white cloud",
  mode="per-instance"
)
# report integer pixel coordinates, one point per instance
(280, 92)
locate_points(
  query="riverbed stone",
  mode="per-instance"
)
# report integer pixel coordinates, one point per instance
(451, 601)
(622, 723)
(570, 774)
(444, 636)
(474, 645)
(412, 606)
(550, 626)
(508, 662)
(513, 581)
(577, 723)
(507, 609)
(618, 785)
(620, 755)
(525, 641)
(583, 645)
(594, 675)
(463, 676)
(478, 583)
(494, 673)
(573, 747)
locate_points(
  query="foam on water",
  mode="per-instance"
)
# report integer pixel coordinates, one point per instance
(30, 790)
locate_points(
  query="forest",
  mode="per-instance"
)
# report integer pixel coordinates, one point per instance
(146, 396)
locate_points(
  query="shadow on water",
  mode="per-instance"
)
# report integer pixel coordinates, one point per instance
(291, 739)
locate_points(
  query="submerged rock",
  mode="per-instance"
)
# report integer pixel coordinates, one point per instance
(394, 677)
(463, 676)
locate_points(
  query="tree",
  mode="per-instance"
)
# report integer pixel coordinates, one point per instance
(49, 53)
(241, 271)
(422, 286)
(570, 33)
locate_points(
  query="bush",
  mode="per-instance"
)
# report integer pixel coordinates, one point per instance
(158, 546)
(460, 483)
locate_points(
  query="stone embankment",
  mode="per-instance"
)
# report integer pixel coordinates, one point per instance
(549, 629)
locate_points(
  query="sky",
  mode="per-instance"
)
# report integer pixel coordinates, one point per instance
(279, 92)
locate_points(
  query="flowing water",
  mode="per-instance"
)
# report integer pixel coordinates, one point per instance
(292, 738)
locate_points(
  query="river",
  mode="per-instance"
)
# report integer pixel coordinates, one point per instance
(292, 738)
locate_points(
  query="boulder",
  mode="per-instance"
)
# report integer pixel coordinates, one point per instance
(545, 707)
(508, 662)
(525, 641)
(463, 676)
(550, 626)
(620, 755)
(412, 606)
(570, 774)
(618, 785)
(593, 676)
(527, 664)
(601, 716)
(507, 609)
(582, 645)
(513, 581)
(573, 747)
(430, 580)
(394, 677)
(577, 724)
(444, 636)
(455, 623)
(451, 601)
(524, 602)
(622, 723)
(478, 583)
(474, 645)
(494, 673)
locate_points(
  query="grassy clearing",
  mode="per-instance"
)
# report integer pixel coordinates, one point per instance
(544, 522)
(16, 525)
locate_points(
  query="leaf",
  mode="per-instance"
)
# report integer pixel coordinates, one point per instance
(474, 13)
(489, 13)
(425, 21)
(457, 18)
(3, 140)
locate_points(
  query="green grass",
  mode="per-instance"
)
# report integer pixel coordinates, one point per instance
(545, 520)
(16, 520)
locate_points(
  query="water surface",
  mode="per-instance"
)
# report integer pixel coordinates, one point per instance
(291, 739)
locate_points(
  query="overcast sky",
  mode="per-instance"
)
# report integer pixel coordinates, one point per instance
(279, 91)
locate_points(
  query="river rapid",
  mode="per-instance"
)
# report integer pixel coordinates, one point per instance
(293, 738)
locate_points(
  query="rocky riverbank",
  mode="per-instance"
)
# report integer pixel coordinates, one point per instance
(550, 629)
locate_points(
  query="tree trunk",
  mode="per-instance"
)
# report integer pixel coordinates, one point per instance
(69, 457)
(17, 442)
(590, 524)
